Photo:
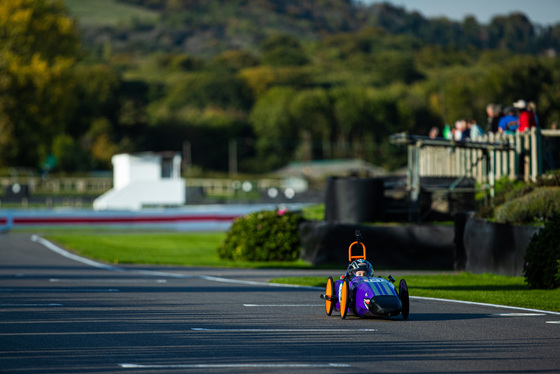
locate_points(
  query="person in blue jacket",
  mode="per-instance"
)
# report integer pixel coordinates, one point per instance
(509, 122)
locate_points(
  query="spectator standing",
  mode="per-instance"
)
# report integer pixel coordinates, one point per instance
(475, 131)
(509, 122)
(434, 132)
(526, 117)
(460, 132)
(447, 133)
(532, 107)
(494, 113)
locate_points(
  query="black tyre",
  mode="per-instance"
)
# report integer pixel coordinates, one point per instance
(329, 292)
(403, 296)
(344, 299)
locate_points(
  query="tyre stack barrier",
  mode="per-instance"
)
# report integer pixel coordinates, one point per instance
(497, 248)
(471, 244)
(413, 246)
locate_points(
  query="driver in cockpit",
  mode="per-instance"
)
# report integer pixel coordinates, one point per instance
(360, 268)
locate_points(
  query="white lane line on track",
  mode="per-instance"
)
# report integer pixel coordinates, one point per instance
(281, 330)
(238, 281)
(281, 305)
(59, 290)
(87, 261)
(553, 322)
(56, 280)
(26, 305)
(154, 273)
(102, 333)
(66, 254)
(485, 304)
(72, 256)
(233, 366)
(518, 314)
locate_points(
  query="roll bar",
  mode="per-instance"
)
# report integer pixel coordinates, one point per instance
(357, 242)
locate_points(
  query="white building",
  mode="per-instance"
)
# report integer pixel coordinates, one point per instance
(147, 179)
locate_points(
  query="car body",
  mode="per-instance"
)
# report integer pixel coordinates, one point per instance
(370, 297)
(361, 294)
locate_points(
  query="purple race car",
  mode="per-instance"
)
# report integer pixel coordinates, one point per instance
(360, 293)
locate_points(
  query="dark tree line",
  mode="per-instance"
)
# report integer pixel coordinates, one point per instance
(187, 25)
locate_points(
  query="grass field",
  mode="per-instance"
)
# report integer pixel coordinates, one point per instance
(200, 249)
(108, 12)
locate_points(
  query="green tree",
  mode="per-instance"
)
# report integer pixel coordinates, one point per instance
(311, 110)
(69, 154)
(283, 50)
(472, 32)
(204, 89)
(522, 77)
(519, 34)
(38, 47)
(396, 67)
(463, 98)
(353, 114)
(233, 60)
(99, 143)
(261, 78)
(275, 128)
(179, 62)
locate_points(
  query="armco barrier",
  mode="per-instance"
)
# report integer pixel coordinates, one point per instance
(189, 218)
(212, 221)
(6, 222)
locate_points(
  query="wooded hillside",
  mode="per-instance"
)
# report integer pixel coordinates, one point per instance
(208, 27)
(278, 80)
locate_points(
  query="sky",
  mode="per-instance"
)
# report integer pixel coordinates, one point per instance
(543, 12)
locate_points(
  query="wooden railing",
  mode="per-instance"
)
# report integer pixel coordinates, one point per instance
(516, 156)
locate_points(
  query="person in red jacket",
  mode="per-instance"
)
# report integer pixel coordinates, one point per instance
(526, 117)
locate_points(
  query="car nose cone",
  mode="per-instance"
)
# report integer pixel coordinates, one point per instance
(385, 305)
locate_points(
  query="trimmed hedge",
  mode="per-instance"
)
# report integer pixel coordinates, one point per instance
(540, 204)
(542, 259)
(263, 236)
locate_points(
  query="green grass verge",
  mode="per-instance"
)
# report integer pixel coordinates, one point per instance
(483, 288)
(157, 248)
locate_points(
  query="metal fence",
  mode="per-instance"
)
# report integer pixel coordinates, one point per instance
(79, 192)
(75, 185)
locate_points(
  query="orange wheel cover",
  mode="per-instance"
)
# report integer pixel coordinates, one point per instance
(344, 299)
(329, 304)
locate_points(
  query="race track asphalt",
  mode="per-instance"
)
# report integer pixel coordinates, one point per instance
(59, 315)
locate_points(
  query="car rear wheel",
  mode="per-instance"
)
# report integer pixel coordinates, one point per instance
(329, 293)
(403, 296)
(344, 299)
